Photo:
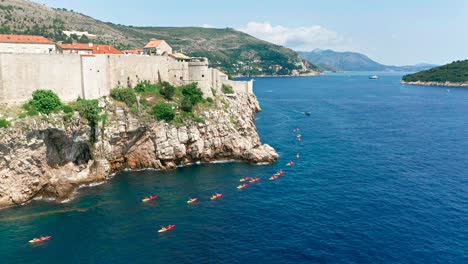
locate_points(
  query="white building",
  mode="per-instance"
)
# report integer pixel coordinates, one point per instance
(157, 47)
(80, 33)
(26, 44)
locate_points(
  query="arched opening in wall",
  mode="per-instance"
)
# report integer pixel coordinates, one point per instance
(203, 76)
(181, 78)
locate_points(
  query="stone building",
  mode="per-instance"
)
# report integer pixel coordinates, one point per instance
(25, 44)
(76, 48)
(79, 34)
(157, 47)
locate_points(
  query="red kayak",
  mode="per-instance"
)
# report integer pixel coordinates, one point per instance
(151, 198)
(274, 178)
(254, 180)
(291, 163)
(242, 186)
(216, 196)
(40, 239)
(165, 229)
(245, 179)
(192, 200)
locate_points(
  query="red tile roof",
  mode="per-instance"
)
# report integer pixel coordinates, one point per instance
(75, 46)
(95, 48)
(153, 43)
(24, 39)
(105, 49)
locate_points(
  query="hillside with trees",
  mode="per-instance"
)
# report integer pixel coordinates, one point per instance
(455, 72)
(230, 50)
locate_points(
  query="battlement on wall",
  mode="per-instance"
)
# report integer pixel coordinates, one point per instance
(93, 76)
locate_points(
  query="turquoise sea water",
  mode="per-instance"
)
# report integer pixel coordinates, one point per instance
(382, 178)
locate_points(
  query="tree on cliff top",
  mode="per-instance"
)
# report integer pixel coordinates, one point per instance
(43, 101)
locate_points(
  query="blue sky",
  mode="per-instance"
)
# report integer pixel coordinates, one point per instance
(396, 32)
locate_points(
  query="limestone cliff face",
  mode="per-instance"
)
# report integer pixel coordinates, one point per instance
(44, 157)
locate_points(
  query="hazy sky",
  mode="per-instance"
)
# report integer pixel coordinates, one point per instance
(396, 32)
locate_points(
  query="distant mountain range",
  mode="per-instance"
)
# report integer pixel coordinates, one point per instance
(329, 60)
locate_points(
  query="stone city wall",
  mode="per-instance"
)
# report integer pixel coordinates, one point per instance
(93, 76)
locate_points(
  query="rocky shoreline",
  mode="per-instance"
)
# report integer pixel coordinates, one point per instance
(446, 84)
(49, 158)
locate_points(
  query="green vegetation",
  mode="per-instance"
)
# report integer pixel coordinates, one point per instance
(456, 72)
(165, 102)
(147, 87)
(89, 109)
(163, 111)
(126, 95)
(227, 89)
(4, 123)
(167, 90)
(192, 92)
(67, 109)
(43, 101)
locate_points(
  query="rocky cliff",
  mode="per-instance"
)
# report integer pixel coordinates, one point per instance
(49, 158)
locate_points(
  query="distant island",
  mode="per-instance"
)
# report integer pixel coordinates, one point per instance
(329, 60)
(452, 74)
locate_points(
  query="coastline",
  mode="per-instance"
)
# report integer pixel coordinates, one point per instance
(61, 158)
(443, 84)
(314, 73)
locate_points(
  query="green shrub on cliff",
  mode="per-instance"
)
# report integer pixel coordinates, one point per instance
(67, 109)
(126, 95)
(186, 104)
(4, 123)
(167, 90)
(227, 89)
(89, 109)
(147, 87)
(193, 92)
(163, 111)
(43, 101)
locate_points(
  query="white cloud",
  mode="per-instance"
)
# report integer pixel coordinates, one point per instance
(297, 38)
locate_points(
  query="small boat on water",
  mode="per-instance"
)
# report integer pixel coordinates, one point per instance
(151, 198)
(165, 229)
(254, 180)
(374, 77)
(192, 200)
(274, 178)
(242, 186)
(216, 196)
(307, 113)
(245, 179)
(40, 239)
(291, 163)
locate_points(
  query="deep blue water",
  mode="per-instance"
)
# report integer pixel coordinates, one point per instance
(382, 178)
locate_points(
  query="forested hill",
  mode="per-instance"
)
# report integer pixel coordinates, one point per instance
(232, 51)
(455, 72)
